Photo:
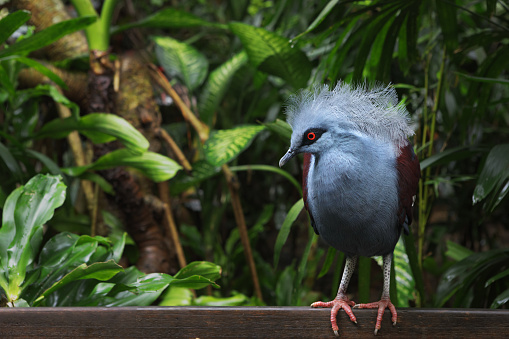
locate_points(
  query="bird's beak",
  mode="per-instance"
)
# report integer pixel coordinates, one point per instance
(290, 154)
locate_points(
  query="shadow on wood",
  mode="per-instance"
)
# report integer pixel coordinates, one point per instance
(246, 322)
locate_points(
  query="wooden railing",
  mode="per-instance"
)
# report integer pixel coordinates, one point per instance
(245, 322)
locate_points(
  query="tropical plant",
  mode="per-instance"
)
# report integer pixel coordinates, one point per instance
(73, 270)
(228, 67)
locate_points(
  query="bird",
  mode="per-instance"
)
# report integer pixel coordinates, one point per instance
(360, 176)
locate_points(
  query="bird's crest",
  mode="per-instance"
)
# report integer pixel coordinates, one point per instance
(373, 110)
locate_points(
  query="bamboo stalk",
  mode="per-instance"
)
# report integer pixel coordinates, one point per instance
(176, 150)
(200, 127)
(79, 158)
(241, 224)
(170, 222)
(93, 226)
(233, 186)
(164, 195)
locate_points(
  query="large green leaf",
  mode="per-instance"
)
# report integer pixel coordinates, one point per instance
(285, 229)
(376, 31)
(452, 154)
(318, 20)
(197, 274)
(25, 212)
(217, 85)
(493, 178)
(168, 18)
(129, 288)
(60, 255)
(100, 128)
(501, 299)
(181, 60)
(47, 36)
(274, 54)
(225, 145)
(195, 282)
(11, 23)
(447, 18)
(99, 271)
(177, 296)
(154, 166)
(460, 278)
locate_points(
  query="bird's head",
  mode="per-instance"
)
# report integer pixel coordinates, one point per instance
(342, 117)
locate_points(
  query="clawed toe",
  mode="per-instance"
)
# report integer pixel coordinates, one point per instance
(336, 305)
(381, 305)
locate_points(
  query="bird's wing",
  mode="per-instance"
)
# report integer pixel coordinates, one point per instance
(409, 173)
(305, 171)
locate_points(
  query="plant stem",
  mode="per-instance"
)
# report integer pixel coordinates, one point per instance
(201, 128)
(241, 225)
(98, 34)
(424, 203)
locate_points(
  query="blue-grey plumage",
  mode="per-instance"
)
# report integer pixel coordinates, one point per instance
(360, 174)
(354, 201)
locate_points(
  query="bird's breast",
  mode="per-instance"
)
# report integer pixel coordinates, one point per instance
(354, 203)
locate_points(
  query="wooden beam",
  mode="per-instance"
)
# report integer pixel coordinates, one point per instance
(245, 322)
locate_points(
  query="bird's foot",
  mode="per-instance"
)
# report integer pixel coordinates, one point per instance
(336, 305)
(381, 305)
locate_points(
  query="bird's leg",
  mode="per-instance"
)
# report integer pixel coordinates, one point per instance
(385, 301)
(341, 300)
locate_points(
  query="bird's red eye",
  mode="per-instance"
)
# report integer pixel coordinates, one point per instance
(311, 136)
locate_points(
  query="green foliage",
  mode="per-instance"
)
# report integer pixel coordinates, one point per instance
(493, 180)
(24, 213)
(239, 62)
(44, 37)
(99, 128)
(21, 117)
(285, 228)
(168, 18)
(476, 280)
(181, 60)
(217, 85)
(11, 23)
(273, 54)
(73, 270)
(154, 166)
(225, 145)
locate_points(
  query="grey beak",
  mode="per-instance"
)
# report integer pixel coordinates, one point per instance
(290, 154)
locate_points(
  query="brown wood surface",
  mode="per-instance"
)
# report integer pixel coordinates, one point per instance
(245, 322)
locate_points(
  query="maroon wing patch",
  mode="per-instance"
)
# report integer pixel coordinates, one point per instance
(409, 173)
(305, 171)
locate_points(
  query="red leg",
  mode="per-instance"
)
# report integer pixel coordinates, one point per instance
(341, 301)
(385, 301)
